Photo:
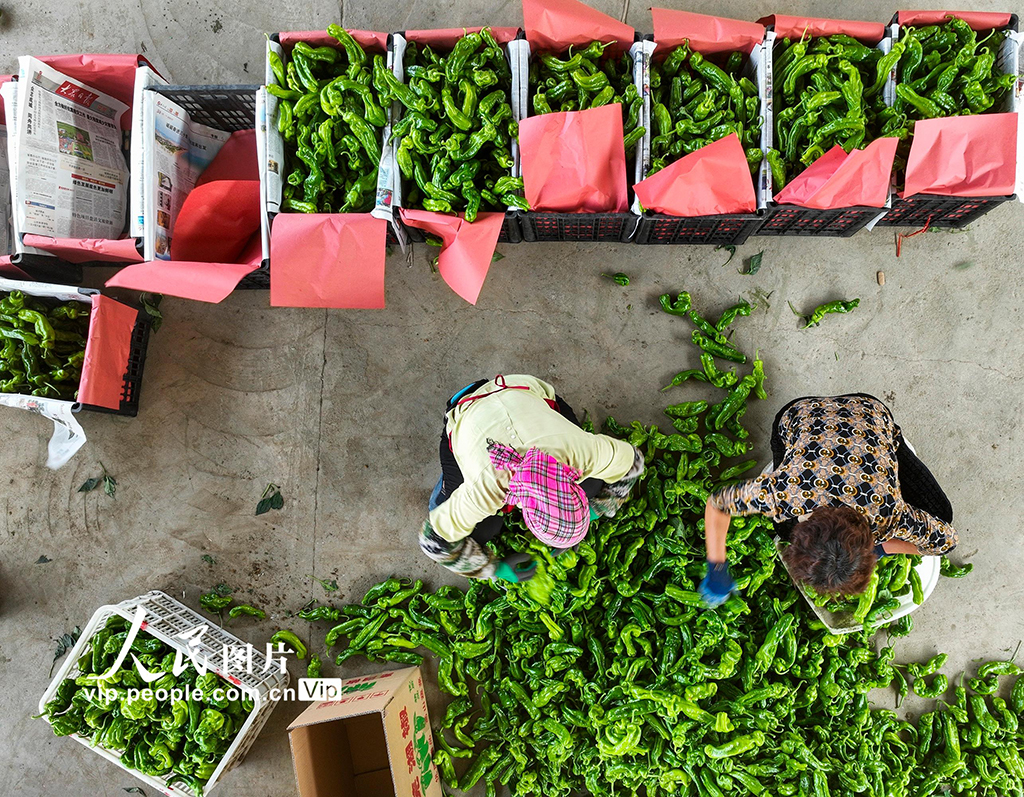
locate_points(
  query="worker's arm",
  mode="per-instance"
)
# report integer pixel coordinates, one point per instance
(716, 529)
(445, 537)
(902, 546)
(916, 532)
(614, 494)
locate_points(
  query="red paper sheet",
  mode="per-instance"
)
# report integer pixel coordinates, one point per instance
(978, 20)
(711, 181)
(445, 38)
(369, 40)
(574, 162)
(838, 180)
(794, 27)
(111, 74)
(202, 282)
(86, 250)
(552, 26)
(706, 34)
(327, 260)
(107, 348)
(963, 156)
(466, 250)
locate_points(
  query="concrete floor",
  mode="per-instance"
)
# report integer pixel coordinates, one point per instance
(342, 408)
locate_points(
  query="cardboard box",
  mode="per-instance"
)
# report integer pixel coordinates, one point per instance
(375, 741)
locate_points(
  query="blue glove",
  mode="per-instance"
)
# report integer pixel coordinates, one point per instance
(516, 568)
(717, 585)
(880, 551)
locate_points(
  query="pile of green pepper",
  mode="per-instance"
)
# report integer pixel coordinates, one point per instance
(944, 70)
(182, 740)
(331, 112)
(588, 79)
(43, 345)
(604, 675)
(695, 102)
(828, 91)
(456, 130)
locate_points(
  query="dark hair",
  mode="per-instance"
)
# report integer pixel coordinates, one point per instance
(833, 551)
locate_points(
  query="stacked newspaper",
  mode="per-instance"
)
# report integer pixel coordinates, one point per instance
(67, 167)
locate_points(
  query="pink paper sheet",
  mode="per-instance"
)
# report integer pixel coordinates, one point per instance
(327, 260)
(445, 38)
(107, 348)
(963, 156)
(574, 162)
(222, 213)
(9, 270)
(4, 79)
(787, 27)
(978, 20)
(203, 282)
(552, 26)
(838, 180)
(706, 34)
(713, 180)
(466, 249)
(87, 250)
(369, 40)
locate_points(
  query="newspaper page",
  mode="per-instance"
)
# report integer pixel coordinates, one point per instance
(177, 150)
(144, 77)
(70, 179)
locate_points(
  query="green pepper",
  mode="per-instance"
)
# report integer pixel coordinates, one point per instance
(246, 609)
(287, 637)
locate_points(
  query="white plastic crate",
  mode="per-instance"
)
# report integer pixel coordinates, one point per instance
(165, 619)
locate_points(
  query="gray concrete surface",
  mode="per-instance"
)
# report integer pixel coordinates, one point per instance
(342, 408)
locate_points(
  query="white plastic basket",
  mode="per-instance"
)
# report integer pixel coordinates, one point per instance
(165, 619)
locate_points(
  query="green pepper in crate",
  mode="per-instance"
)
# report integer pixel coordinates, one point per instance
(828, 92)
(457, 129)
(588, 79)
(330, 113)
(694, 101)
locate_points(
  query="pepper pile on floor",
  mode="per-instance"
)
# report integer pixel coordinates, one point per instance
(604, 675)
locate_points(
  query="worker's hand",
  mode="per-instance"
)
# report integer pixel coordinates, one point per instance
(516, 568)
(717, 585)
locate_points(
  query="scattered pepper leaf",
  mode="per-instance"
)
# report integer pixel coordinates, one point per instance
(329, 586)
(753, 265)
(64, 643)
(42, 560)
(90, 484)
(151, 304)
(728, 248)
(271, 499)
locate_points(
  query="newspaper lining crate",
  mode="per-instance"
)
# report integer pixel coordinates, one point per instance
(166, 618)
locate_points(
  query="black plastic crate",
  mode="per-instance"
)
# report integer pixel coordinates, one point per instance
(612, 227)
(45, 268)
(133, 373)
(939, 211)
(229, 108)
(658, 228)
(258, 280)
(511, 231)
(794, 220)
